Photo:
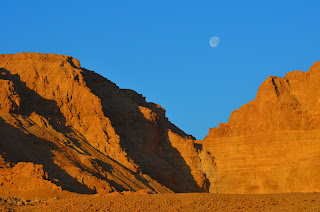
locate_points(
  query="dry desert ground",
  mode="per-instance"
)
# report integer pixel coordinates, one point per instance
(167, 202)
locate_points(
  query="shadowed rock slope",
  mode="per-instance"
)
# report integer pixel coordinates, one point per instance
(271, 144)
(65, 127)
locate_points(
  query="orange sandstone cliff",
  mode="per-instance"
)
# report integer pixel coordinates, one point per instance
(271, 144)
(63, 127)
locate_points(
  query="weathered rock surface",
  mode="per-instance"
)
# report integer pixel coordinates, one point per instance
(271, 144)
(63, 127)
(16, 179)
(87, 134)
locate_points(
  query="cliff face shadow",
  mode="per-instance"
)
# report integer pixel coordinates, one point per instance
(29, 148)
(17, 146)
(169, 167)
(33, 102)
(107, 168)
(20, 146)
(146, 142)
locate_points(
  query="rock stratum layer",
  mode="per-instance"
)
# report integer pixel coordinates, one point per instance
(63, 127)
(271, 144)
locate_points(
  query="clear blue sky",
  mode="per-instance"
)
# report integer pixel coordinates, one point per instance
(161, 48)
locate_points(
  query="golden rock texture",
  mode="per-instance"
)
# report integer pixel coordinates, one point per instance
(271, 144)
(63, 127)
(88, 135)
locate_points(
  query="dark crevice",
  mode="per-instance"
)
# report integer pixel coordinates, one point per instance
(155, 155)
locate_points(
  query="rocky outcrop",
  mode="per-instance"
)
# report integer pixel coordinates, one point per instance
(15, 180)
(271, 144)
(88, 135)
(63, 127)
(10, 101)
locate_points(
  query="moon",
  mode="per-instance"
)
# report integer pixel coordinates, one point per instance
(214, 41)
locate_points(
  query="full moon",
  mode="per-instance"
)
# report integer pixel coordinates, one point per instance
(214, 41)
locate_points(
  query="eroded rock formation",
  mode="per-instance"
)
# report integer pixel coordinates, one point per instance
(88, 135)
(63, 127)
(271, 144)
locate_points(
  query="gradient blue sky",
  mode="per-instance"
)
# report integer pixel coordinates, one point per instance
(161, 48)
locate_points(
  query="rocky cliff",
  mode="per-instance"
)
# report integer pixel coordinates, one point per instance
(271, 144)
(63, 127)
(80, 132)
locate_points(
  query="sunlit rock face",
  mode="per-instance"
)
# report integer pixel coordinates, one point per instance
(88, 135)
(63, 127)
(271, 144)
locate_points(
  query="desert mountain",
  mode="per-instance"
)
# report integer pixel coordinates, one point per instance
(271, 144)
(65, 127)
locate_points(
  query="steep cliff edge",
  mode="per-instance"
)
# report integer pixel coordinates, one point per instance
(63, 127)
(271, 144)
(89, 135)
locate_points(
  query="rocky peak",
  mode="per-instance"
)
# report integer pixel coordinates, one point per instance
(89, 135)
(271, 144)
